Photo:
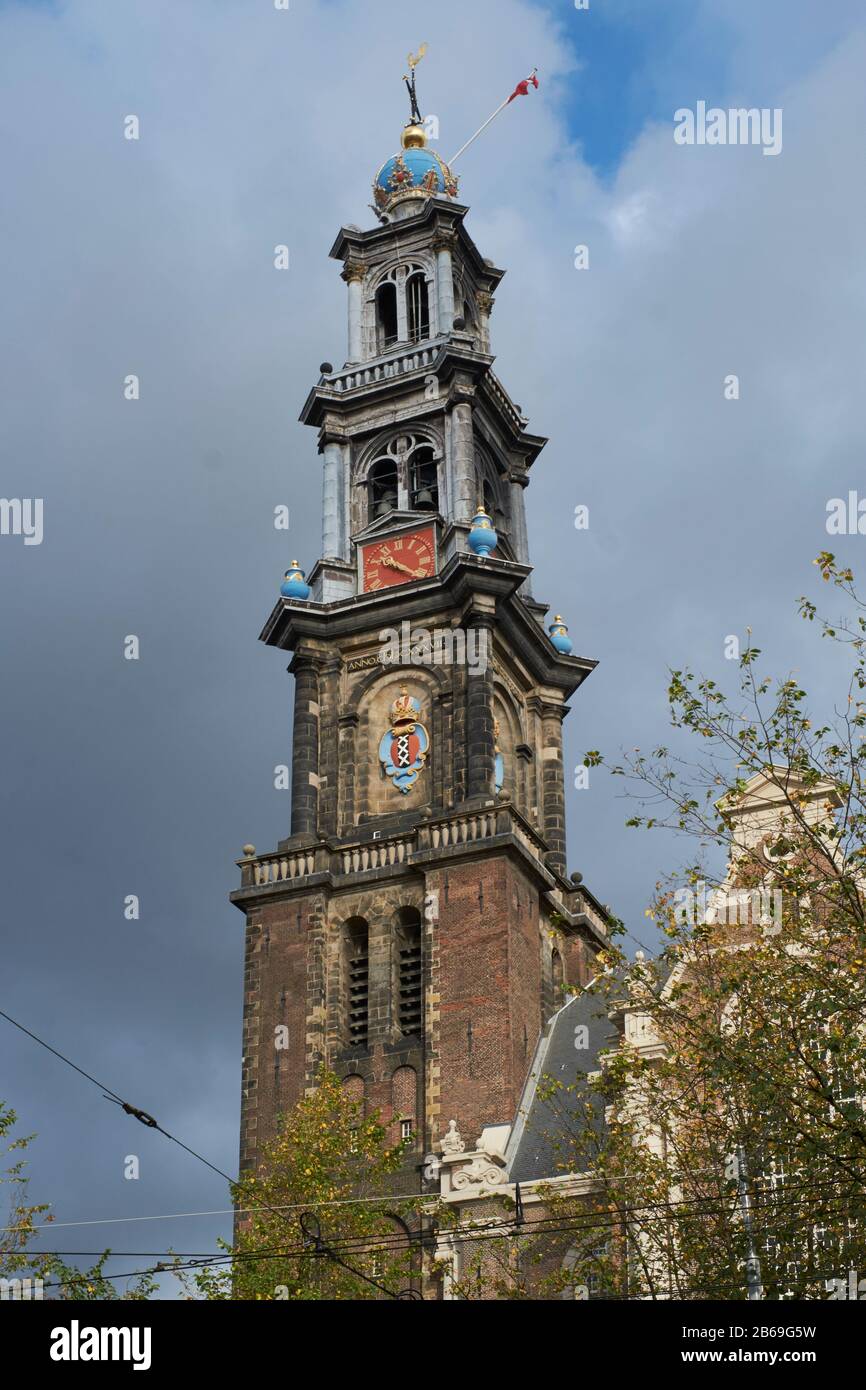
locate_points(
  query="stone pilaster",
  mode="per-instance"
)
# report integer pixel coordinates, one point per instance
(328, 769)
(485, 302)
(465, 488)
(443, 245)
(553, 783)
(519, 538)
(251, 1043)
(481, 741)
(333, 522)
(353, 273)
(305, 746)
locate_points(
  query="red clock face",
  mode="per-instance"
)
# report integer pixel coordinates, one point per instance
(400, 559)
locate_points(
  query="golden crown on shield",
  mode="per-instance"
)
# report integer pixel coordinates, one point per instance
(403, 711)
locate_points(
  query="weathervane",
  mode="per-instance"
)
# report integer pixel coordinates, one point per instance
(413, 60)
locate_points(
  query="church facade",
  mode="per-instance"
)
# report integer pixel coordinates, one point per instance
(416, 928)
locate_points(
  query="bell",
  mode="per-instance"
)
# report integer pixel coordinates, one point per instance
(387, 504)
(424, 500)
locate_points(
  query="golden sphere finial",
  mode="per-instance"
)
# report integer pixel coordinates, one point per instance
(414, 136)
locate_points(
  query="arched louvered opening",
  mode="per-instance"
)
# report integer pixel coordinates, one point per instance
(409, 983)
(386, 315)
(356, 953)
(417, 307)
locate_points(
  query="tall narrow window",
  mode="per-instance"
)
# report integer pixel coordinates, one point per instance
(386, 315)
(410, 1019)
(417, 307)
(356, 948)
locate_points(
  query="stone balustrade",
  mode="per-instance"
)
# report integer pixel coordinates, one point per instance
(456, 830)
(282, 868)
(376, 855)
(462, 830)
(414, 358)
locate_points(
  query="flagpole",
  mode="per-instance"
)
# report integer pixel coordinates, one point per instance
(479, 131)
(532, 78)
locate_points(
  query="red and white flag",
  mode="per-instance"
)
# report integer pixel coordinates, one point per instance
(522, 88)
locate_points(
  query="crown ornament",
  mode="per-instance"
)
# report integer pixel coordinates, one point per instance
(404, 710)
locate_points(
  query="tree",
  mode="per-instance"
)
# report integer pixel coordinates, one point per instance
(735, 1143)
(314, 1222)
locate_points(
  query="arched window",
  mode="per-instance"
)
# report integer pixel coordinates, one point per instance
(382, 488)
(386, 315)
(424, 479)
(409, 1010)
(417, 307)
(353, 1089)
(557, 977)
(402, 306)
(356, 951)
(404, 1101)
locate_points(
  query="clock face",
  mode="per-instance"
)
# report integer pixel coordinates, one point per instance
(399, 559)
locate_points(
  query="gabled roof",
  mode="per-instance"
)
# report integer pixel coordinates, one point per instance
(772, 788)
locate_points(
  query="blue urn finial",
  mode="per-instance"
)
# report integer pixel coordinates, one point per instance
(482, 537)
(294, 585)
(559, 636)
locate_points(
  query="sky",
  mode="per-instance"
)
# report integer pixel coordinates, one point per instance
(155, 257)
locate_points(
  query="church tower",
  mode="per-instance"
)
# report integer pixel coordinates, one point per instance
(416, 928)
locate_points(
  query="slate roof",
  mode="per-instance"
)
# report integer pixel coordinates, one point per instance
(532, 1152)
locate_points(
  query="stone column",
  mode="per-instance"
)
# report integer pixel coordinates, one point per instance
(353, 273)
(553, 783)
(480, 737)
(442, 245)
(305, 746)
(465, 493)
(485, 303)
(332, 500)
(519, 537)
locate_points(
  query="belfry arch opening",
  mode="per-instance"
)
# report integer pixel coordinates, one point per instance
(424, 479)
(387, 330)
(382, 488)
(417, 307)
(356, 964)
(409, 981)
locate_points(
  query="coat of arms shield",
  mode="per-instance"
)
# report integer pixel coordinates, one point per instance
(404, 747)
